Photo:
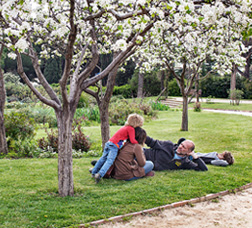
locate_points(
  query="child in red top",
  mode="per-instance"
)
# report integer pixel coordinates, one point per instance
(115, 143)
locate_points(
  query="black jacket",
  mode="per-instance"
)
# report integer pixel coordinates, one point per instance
(161, 153)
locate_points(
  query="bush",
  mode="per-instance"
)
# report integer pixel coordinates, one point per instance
(125, 91)
(119, 111)
(19, 126)
(173, 88)
(235, 95)
(22, 148)
(159, 106)
(197, 107)
(80, 141)
(50, 143)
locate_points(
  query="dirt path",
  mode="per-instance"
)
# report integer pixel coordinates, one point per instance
(230, 211)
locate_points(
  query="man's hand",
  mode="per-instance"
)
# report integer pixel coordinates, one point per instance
(193, 154)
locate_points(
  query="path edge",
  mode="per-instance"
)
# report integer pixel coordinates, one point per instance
(167, 206)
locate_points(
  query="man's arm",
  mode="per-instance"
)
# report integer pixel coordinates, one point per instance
(157, 144)
(199, 164)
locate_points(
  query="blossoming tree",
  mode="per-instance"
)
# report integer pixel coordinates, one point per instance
(80, 31)
(194, 32)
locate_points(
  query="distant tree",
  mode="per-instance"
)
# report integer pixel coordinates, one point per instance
(53, 69)
(3, 142)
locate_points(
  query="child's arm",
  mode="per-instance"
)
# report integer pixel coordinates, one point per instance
(131, 131)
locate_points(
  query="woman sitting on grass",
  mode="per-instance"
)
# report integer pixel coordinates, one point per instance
(131, 163)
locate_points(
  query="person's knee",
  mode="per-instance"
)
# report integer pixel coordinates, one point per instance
(150, 164)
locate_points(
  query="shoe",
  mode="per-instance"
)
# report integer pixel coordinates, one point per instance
(150, 174)
(90, 170)
(97, 177)
(93, 162)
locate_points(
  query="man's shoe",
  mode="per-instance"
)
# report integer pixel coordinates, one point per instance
(93, 162)
(97, 177)
(90, 170)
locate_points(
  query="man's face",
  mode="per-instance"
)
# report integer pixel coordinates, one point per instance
(184, 148)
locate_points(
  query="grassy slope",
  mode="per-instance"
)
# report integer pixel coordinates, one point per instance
(28, 193)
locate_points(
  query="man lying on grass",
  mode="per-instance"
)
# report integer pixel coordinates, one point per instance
(169, 156)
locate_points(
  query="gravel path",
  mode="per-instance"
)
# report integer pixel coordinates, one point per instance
(230, 211)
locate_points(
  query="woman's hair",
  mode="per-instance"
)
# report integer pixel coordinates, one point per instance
(228, 157)
(140, 135)
(135, 120)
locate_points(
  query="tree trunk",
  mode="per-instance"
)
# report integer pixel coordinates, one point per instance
(233, 78)
(3, 143)
(140, 85)
(104, 116)
(65, 161)
(233, 83)
(184, 125)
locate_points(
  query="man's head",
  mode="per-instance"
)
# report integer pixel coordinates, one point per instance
(227, 156)
(186, 147)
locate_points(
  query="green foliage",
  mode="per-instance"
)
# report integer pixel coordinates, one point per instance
(219, 87)
(119, 111)
(159, 106)
(173, 88)
(125, 91)
(84, 101)
(22, 148)
(90, 113)
(52, 70)
(19, 126)
(236, 95)
(50, 142)
(80, 142)
(197, 107)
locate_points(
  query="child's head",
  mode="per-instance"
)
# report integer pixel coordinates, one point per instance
(135, 120)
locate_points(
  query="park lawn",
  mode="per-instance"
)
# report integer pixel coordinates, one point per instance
(28, 193)
(224, 106)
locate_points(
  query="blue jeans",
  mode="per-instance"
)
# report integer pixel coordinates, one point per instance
(147, 168)
(107, 159)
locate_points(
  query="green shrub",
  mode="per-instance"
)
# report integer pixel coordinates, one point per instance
(119, 111)
(197, 107)
(125, 91)
(236, 95)
(173, 88)
(50, 143)
(19, 126)
(91, 113)
(80, 141)
(22, 148)
(159, 106)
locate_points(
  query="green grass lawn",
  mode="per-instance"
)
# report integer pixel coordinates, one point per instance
(225, 106)
(28, 192)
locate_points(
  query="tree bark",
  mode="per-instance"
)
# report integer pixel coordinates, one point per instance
(3, 142)
(104, 116)
(65, 161)
(184, 125)
(233, 78)
(140, 85)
